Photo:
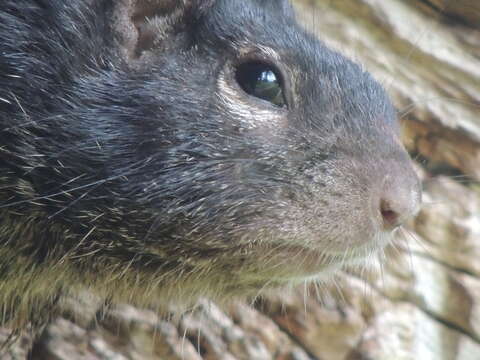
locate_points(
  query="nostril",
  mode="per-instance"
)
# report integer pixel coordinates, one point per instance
(391, 218)
(396, 199)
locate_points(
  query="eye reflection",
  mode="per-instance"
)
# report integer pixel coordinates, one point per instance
(260, 80)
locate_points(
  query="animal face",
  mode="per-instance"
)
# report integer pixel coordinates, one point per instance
(211, 147)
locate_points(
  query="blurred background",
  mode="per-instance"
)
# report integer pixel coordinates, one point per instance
(423, 302)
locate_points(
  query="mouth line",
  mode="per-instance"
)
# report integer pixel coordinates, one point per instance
(292, 262)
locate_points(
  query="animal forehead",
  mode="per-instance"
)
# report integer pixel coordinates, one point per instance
(278, 7)
(270, 27)
(249, 19)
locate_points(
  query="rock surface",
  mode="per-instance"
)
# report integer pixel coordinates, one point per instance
(423, 299)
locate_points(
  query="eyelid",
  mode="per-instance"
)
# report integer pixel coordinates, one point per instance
(268, 58)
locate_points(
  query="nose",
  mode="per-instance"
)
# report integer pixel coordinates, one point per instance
(399, 201)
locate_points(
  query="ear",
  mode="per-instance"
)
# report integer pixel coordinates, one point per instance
(144, 25)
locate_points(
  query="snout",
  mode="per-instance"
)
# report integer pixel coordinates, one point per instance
(397, 199)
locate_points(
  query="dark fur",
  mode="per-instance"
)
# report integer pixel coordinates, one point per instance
(120, 164)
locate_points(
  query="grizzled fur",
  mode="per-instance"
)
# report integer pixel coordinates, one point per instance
(131, 162)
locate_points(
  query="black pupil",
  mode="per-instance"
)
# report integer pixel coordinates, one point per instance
(260, 80)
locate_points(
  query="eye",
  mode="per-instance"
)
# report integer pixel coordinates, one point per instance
(262, 81)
